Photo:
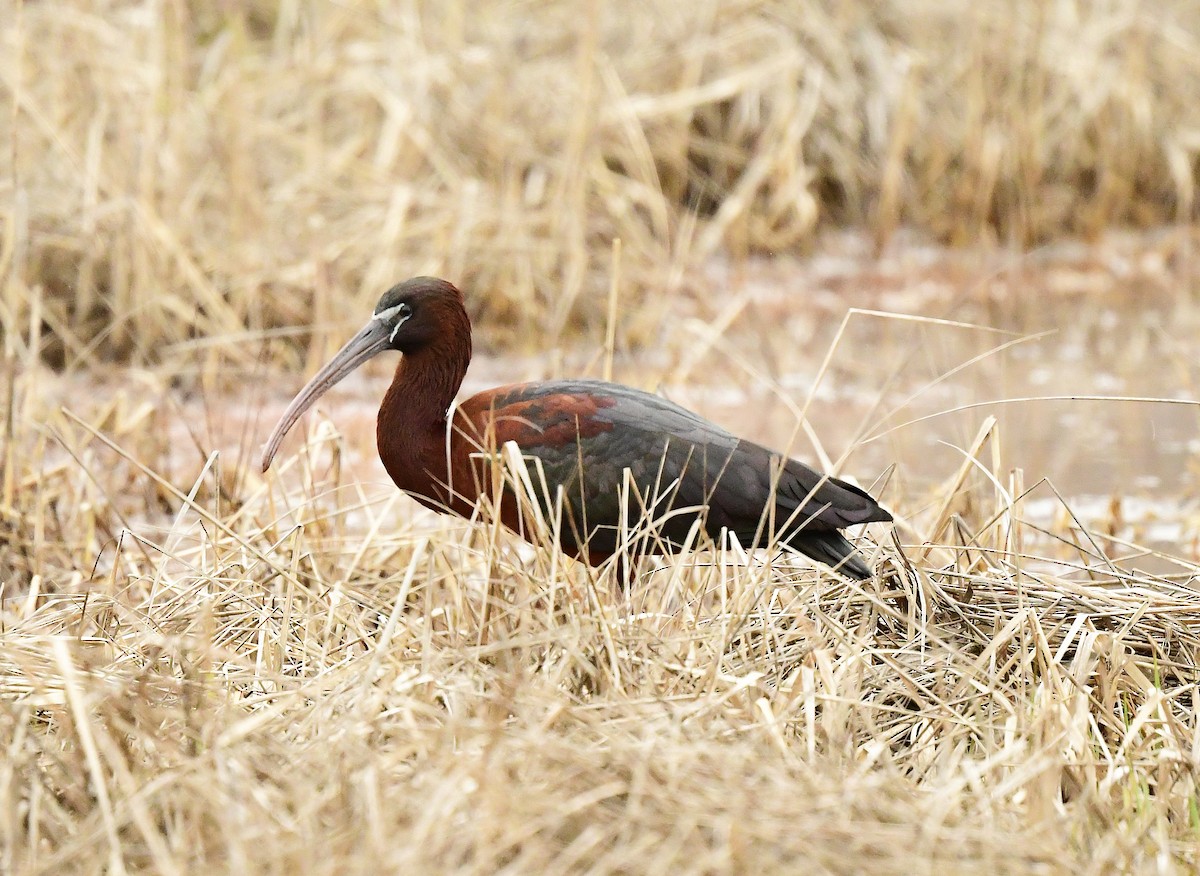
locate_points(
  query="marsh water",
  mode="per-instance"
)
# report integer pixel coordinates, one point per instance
(1084, 354)
(895, 358)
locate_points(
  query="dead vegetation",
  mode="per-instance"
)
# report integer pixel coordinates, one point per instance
(205, 671)
(187, 171)
(284, 676)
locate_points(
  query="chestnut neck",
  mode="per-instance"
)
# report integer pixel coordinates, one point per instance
(412, 418)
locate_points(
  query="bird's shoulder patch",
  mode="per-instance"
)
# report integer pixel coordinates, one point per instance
(531, 417)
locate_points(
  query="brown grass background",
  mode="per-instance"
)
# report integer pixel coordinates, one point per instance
(181, 170)
(202, 670)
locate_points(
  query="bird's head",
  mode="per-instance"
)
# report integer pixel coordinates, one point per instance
(410, 317)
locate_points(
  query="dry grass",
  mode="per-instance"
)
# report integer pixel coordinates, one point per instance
(237, 675)
(205, 671)
(185, 171)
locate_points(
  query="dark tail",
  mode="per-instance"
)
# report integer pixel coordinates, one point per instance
(832, 549)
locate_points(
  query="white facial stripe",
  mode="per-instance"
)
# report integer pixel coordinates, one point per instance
(392, 337)
(390, 314)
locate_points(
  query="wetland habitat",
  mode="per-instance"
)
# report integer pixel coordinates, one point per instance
(948, 251)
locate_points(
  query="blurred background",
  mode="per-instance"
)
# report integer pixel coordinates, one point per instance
(947, 248)
(202, 200)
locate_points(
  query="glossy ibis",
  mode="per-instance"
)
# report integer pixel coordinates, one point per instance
(582, 434)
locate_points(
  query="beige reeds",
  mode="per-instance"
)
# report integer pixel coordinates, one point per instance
(200, 173)
(205, 670)
(290, 675)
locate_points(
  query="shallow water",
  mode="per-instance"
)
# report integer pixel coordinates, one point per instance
(1113, 320)
(899, 397)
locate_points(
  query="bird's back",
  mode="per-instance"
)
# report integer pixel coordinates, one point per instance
(584, 435)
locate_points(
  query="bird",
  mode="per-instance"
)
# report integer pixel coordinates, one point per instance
(606, 454)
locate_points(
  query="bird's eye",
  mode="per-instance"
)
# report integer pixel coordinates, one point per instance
(405, 310)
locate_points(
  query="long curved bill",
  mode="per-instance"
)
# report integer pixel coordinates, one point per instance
(371, 340)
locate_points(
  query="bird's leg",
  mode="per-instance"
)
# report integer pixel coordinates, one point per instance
(626, 569)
